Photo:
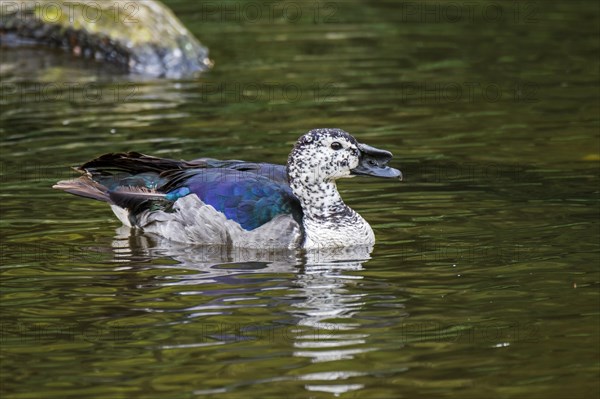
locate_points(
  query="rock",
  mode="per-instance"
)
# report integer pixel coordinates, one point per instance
(141, 36)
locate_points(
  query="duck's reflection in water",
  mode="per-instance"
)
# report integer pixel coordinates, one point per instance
(215, 261)
(329, 306)
(317, 284)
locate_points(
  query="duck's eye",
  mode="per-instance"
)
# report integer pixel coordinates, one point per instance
(336, 146)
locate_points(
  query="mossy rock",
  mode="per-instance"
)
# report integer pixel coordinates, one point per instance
(141, 36)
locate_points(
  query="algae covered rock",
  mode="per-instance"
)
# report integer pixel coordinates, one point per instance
(141, 36)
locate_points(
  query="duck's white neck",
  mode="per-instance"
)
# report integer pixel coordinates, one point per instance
(328, 221)
(320, 200)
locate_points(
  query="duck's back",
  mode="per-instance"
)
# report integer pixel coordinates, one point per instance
(202, 201)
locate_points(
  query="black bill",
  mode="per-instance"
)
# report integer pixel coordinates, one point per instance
(373, 162)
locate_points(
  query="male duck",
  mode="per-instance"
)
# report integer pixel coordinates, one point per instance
(245, 204)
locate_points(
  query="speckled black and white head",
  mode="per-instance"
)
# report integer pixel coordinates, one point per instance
(322, 156)
(318, 159)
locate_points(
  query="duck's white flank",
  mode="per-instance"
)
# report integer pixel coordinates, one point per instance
(193, 221)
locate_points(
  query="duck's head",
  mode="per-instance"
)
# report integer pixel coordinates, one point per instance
(324, 155)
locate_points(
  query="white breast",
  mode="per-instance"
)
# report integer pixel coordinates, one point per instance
(353, 231)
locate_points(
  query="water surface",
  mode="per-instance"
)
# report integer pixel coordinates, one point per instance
(484, 278)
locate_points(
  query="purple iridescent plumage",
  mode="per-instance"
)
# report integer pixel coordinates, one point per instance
(250, 194)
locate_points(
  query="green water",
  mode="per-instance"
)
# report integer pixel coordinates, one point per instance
(484, 278)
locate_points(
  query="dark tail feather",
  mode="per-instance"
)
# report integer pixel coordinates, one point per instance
(131, 162)
(85, 187)
(137, 200)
